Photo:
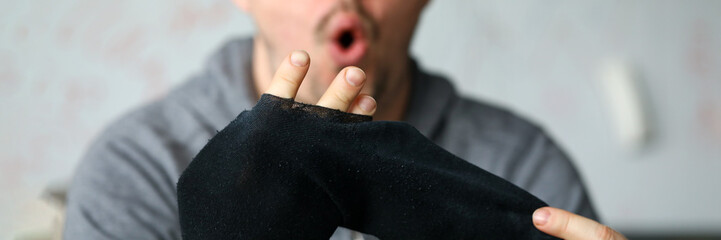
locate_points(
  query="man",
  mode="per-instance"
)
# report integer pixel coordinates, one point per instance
(124, 188)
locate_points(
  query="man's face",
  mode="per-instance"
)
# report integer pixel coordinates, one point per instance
(372, 34)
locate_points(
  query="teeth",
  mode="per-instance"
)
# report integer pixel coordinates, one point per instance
(346, 39)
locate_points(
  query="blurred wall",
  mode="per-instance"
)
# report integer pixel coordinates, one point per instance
(68, 67)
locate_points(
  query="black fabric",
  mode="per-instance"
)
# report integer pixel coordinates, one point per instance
(290, 170)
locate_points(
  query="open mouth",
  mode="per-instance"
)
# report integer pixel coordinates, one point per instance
(348, 43)
(346, 39)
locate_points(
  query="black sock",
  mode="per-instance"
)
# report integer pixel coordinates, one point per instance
(291, 170)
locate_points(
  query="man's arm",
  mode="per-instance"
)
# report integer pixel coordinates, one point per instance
(123, 190)
(285, 169)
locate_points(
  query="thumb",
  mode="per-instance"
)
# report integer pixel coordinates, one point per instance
(566, 225)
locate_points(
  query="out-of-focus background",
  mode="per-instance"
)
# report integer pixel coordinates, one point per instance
(631, 89)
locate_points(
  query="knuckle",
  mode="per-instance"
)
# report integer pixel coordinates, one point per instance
(341, 97)
(288, 80)
(604, 233)
(564, 226)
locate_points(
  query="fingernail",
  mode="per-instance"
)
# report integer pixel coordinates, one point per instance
(299, 58)
(540, 217)
(367, 103)
(355, 76)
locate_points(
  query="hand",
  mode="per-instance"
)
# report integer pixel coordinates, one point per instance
(249, 168)
(566, 225)
(342, 94)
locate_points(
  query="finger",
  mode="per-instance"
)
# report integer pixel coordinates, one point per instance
(566, 225)
(289, 75)
(344, 89)
(364, 105)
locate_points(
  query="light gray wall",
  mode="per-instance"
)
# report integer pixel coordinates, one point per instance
(68, 67)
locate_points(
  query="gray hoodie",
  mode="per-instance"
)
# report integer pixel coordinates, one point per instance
(124, 187)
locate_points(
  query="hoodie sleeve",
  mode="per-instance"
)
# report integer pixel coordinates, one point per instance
(290, 170)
